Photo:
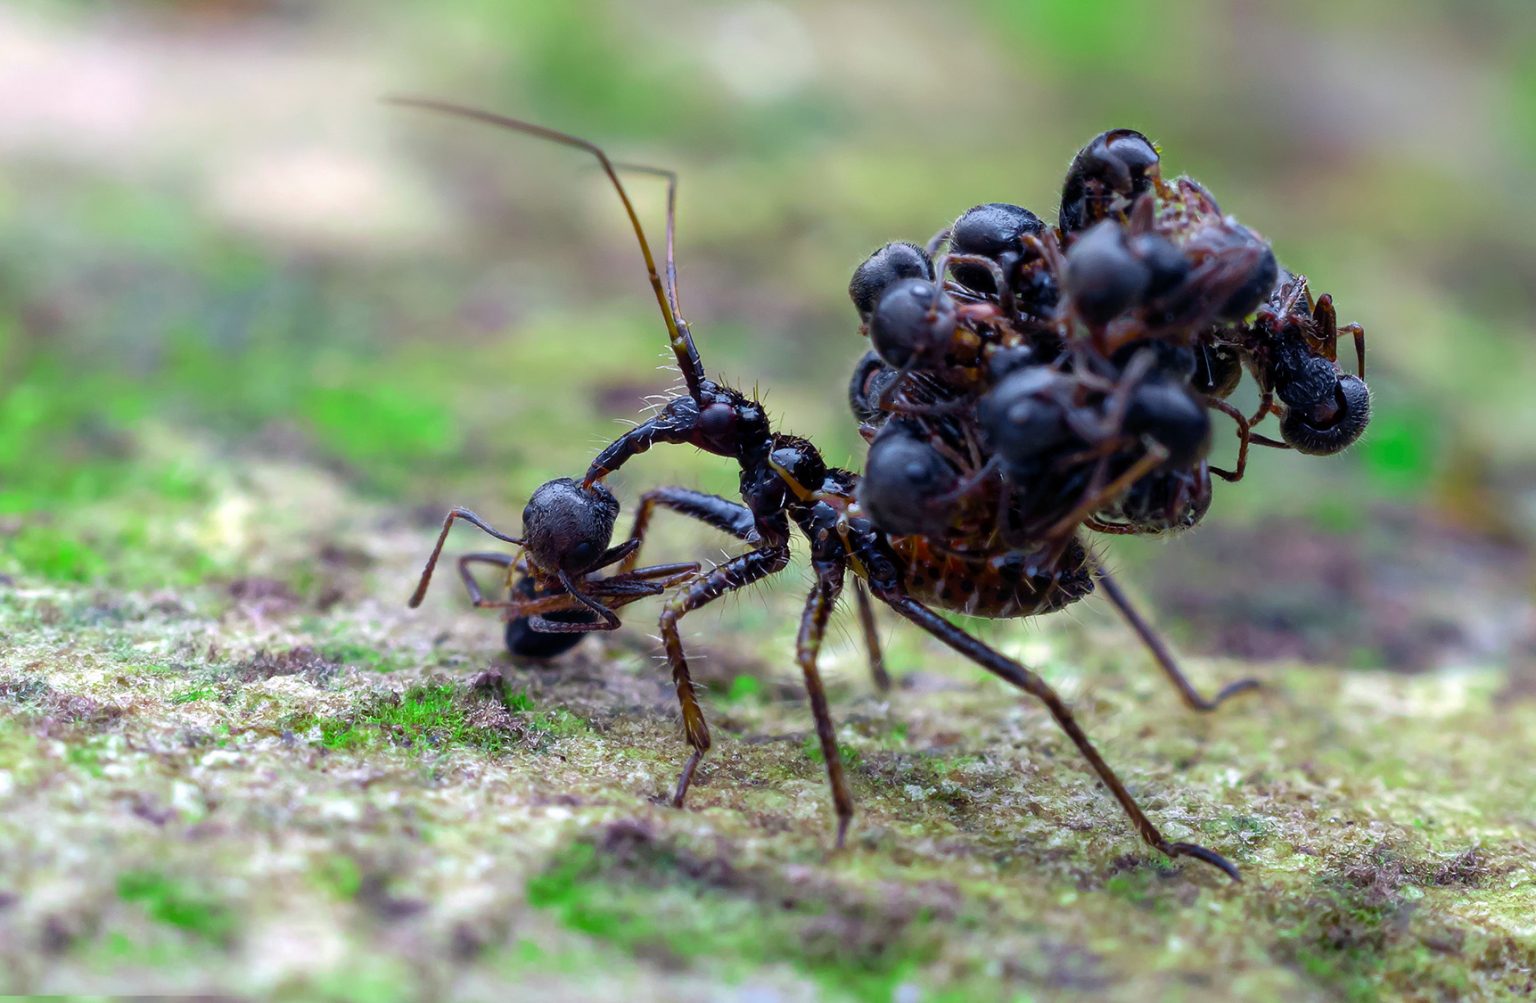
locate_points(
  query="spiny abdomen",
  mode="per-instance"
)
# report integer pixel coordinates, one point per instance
(999, 587)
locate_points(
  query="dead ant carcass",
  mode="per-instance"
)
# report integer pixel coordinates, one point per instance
(1028, 383)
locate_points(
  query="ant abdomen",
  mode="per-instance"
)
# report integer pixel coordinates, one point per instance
(1331, 425)
(567, 527)
(995, 231)
(1171, 416)
(1105, 177)
(913, 324)
(1019, 421)
(893, 262)
(904, 484)
(1103, 277)
(525, 642)
(1218, 370)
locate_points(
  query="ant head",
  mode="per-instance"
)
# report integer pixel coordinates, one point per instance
(894, 261)
(995, 230)
(1171, 416)
(1253, 272)
(1167, 267)
(1112, 170)
(913, 323)
(904, 483)
(1218, 370)
(1019, 418)
(1166, 501)
(1331, 425)
(871, 377)
(567, 527)
(1103, 277)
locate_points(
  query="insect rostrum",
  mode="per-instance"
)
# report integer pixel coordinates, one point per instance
(1027, 386)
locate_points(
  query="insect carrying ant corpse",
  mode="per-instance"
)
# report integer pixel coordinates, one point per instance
(1027, 386)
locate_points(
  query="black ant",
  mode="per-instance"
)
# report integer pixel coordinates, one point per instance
(786, 483)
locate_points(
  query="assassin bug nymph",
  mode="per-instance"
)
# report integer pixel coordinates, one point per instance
(786, 483)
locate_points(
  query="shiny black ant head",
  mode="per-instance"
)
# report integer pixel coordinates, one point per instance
(1331, 425)
(1019, 418)
(871, 378)
(1262, 277)
(1167, 501)
(905, 482)
(913, 323)
(1170, 360)
(1166, 412)
(1103, 277)
(567, 528)
(995, 230)
(1167, 267)
(1105, 177)
(1218, 370)
(894, 261)
(1251, 273)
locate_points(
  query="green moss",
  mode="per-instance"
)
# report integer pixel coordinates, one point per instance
(45, 552)
(338, 875)
(167, 901)
(425, 716)
(194, 694)
(849, 754)
(560, 723)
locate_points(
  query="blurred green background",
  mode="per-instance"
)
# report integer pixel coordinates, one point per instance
(222, 252)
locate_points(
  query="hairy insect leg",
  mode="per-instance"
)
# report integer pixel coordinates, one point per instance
(442, 538)
(734, 574)
(1244, 437)
(721, 513)
(1165, 660)
(1017, 675)
(877, 669)
(813, 628)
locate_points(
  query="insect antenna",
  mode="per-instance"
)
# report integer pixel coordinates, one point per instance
(666, 296)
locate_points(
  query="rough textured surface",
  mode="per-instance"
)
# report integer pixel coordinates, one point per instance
(276, 787)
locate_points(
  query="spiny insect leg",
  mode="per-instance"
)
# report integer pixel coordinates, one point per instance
(1016, 674)
(728, 577)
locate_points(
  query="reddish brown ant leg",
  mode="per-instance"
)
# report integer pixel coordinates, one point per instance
(1266, 406)
(442, 537)
(813, 628)
(877, 669)
(1244, 436)
(728, 577)
(1017, 675)
(1358, 333)
(1165, 660)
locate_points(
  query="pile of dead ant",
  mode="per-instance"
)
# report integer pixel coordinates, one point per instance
(1026, 386)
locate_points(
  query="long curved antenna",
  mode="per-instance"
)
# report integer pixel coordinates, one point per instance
(678, 334)
(671, 266)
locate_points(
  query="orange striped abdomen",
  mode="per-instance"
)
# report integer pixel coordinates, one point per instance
(999, 587)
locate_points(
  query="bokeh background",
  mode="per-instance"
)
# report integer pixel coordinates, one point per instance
(221, 247)
(238, 293)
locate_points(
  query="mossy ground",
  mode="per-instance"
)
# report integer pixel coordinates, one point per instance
(300, 788)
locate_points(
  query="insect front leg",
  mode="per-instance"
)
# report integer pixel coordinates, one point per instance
(728, 577)
(813, 629)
